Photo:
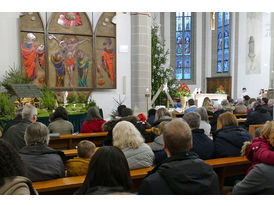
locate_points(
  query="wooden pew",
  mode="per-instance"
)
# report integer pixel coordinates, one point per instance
(69, 141)
(69, 185)
(70, 153)
(177, 115)
(224, 167)
(229, 166)
(253, 127)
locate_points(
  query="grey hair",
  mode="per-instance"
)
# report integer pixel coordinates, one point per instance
(224, 102)
(193, 119)
(28, 112)
(217, 106)
(37, 133)
(203, 113)
(93, 113)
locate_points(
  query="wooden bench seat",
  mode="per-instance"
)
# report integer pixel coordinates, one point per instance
(224, 167)
(68, 185)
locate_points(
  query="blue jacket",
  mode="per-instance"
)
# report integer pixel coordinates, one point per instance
(229, 141)
(202, 144)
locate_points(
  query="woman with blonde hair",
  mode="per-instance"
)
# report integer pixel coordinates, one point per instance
(207, 104)
(229, 137)
(127, 138)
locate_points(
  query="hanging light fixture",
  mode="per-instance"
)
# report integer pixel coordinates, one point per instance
(212, 20)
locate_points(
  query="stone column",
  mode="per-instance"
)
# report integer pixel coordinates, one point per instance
(140, 61)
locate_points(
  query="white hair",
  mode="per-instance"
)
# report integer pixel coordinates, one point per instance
(28, 112)
(125, 134)
(36, 133)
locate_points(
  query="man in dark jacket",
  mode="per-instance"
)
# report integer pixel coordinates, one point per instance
(17, 119)
(15, 134)
(183, 172)
(202, 144)
(41, 161)
(259, 116)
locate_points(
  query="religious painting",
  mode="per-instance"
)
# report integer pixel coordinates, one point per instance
(70, 61)
(32, 48)
(70, 51)
(106, 51)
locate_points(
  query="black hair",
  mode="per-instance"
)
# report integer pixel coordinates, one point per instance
(151, 112)
(190, 102)
(108, 167)
(126, 112)
(120, 108)
(60, 112)
(10, 162)
(246, 97)
(265, 100)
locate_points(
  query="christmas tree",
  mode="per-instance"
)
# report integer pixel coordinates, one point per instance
(160, 74)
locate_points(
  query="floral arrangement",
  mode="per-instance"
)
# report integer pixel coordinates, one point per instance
(183, 90)
(220, 90)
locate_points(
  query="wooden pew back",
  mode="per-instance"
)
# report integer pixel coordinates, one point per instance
(252, 128)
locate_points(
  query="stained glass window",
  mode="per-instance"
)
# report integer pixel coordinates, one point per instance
(223, 42)
(183, 45)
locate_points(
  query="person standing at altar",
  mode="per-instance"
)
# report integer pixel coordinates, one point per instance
(244, 92)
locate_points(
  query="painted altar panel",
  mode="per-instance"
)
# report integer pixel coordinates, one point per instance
(31, 21)
(70, 61)
(32, 49)
(71, 23)
(105, 52)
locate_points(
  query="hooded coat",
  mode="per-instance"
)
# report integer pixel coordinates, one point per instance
(229, 140)
(259, 116)
(181, 174)
(42, 162)
(259, 151)
(17, 186)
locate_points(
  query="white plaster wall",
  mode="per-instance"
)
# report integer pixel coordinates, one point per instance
(10, 54)
(253, 82)
(208, 46)
(10, 43)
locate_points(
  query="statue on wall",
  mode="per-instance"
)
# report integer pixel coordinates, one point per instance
(82, 63)
(30, 54)
(251, 52)
(69, 44)
(107, 60)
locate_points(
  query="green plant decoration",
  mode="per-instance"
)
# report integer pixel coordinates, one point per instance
(160, 74)
(73, 97)
(48, 98)
(82, 98)
(6, 106)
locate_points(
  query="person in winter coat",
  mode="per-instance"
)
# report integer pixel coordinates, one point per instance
(126, 115)
(79, 165)
(41, 161)
(13, 180)
(260, 150)
(162, 114)
(201, 143)
(94, 121)
(15, 134)
(157, 145)
(229, 137)
(182, 172)
(127, 138)
(108, 173)
(204, 124)
(259, 116)
(218, 109)
(59, 123)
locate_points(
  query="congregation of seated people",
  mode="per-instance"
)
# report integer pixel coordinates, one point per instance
(176, 143)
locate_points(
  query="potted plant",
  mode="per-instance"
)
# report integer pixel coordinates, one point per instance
(183, 91)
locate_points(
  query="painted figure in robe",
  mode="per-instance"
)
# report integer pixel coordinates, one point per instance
(59, 64)
(82, 63)
(30, 55)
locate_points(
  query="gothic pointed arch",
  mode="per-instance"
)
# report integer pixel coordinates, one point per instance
(105, 51)
(70, 51)
(32, 47)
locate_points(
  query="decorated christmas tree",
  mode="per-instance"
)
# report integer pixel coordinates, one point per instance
(160, 74)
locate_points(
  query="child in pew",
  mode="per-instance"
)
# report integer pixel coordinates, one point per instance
(261, 149)
(79, 165)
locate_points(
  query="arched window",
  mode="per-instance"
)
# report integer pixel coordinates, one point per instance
(223, 42)
(184, 46)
